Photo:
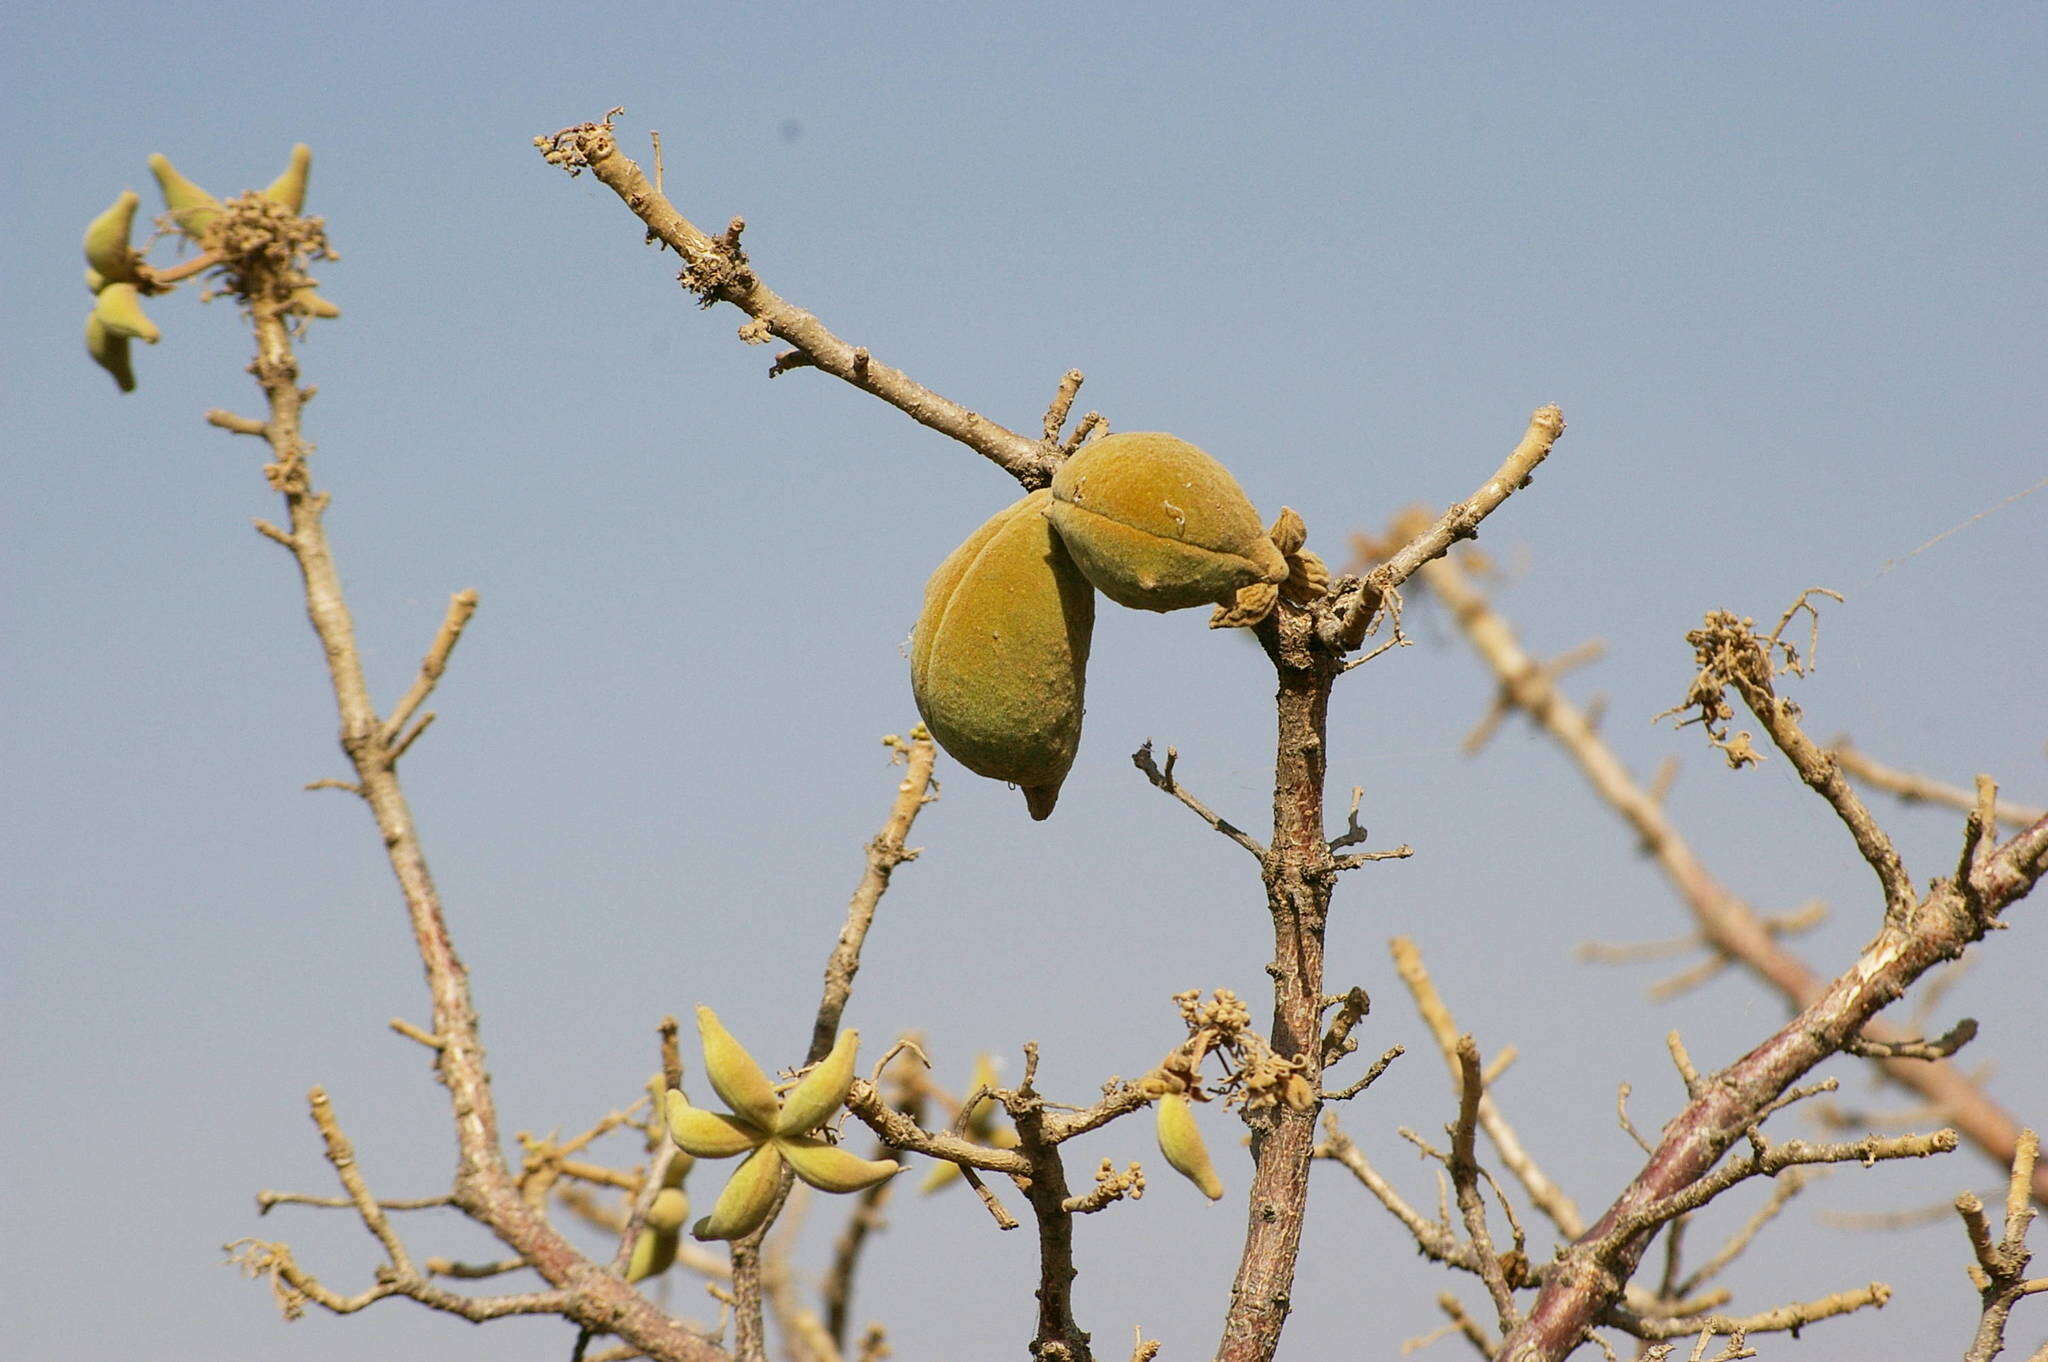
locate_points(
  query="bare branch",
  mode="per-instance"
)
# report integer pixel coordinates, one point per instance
(1915, 789)
(1464, 1170)
(484, 1187)
(885, 853)
(1728, 925)
(2000, 1270)
(237, 425)
(719, 272)
(1941, 1047)
(1368, 1078)
(1783, 1188)
(1062, 403)
(1785, 1318)
(1352, 618)
(1431, 1236)
(1730, 652)
(266, 1200)
(1547, 1195)
(461, 607)
(1142, 759)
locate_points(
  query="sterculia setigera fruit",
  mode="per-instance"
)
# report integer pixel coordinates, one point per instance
(1156, 524)
(999, 656)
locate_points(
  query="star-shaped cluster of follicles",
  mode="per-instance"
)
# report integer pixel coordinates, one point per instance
(773, 1129)
(227, 235)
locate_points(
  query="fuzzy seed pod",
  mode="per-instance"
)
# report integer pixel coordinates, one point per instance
(109, 351)
(119, 310)
(288, 190)
(822, 1090)
(306, 303)
(1156, 524)
(106, 243)
(654, 1252)
(748, 1197)
(1181, 1141)
(669, 1209)
(735, 1076)
(707, 1134)
(192, 208)
(1000, 653)
(829, 1168)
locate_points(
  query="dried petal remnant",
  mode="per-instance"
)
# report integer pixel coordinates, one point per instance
(1156, 524)
(999, 656)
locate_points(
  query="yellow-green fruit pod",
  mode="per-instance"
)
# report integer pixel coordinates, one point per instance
(735, 1077)
(306, 303)
(192, 208)
(109, 351)
(106, 242)
(1000, 654)
(707, 1134)
(669, 1209)
(654, 1253)
(119, 309)
(288, 190)
(829, 1168)
(1156, 524)
(822, 1090)
(748, 1197)
(1181, 1141)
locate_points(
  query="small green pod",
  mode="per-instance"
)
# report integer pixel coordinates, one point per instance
(1000, 654)
(735, 1077)
(1180, 1140)
(119, 310)
(110, 352)
(1156, 524)
(192, 208)
(288, 191)
(822, 1091)
(829, 1168)
(654, 1253)
(306, 303)
(106, 243)
(748, 1197)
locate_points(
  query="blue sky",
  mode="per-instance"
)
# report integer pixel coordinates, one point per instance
(1780, 266)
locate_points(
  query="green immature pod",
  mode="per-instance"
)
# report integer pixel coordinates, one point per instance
(288, 190)
(654, 1253)
(822, 1090)
(748, 1197)
(1156, 524)
(1181, 1141)
(110, 352)
(192, 208)
(1000, 654)
(307, 303)
(119, 309)
(106, 243)
(707, 1134)
(669, 1209)
(829, 1168)
(735, 1076)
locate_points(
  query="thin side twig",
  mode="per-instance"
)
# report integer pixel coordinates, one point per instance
(1917, 789)
(1163, 778)
(1352, 618)
(1546, 1194)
